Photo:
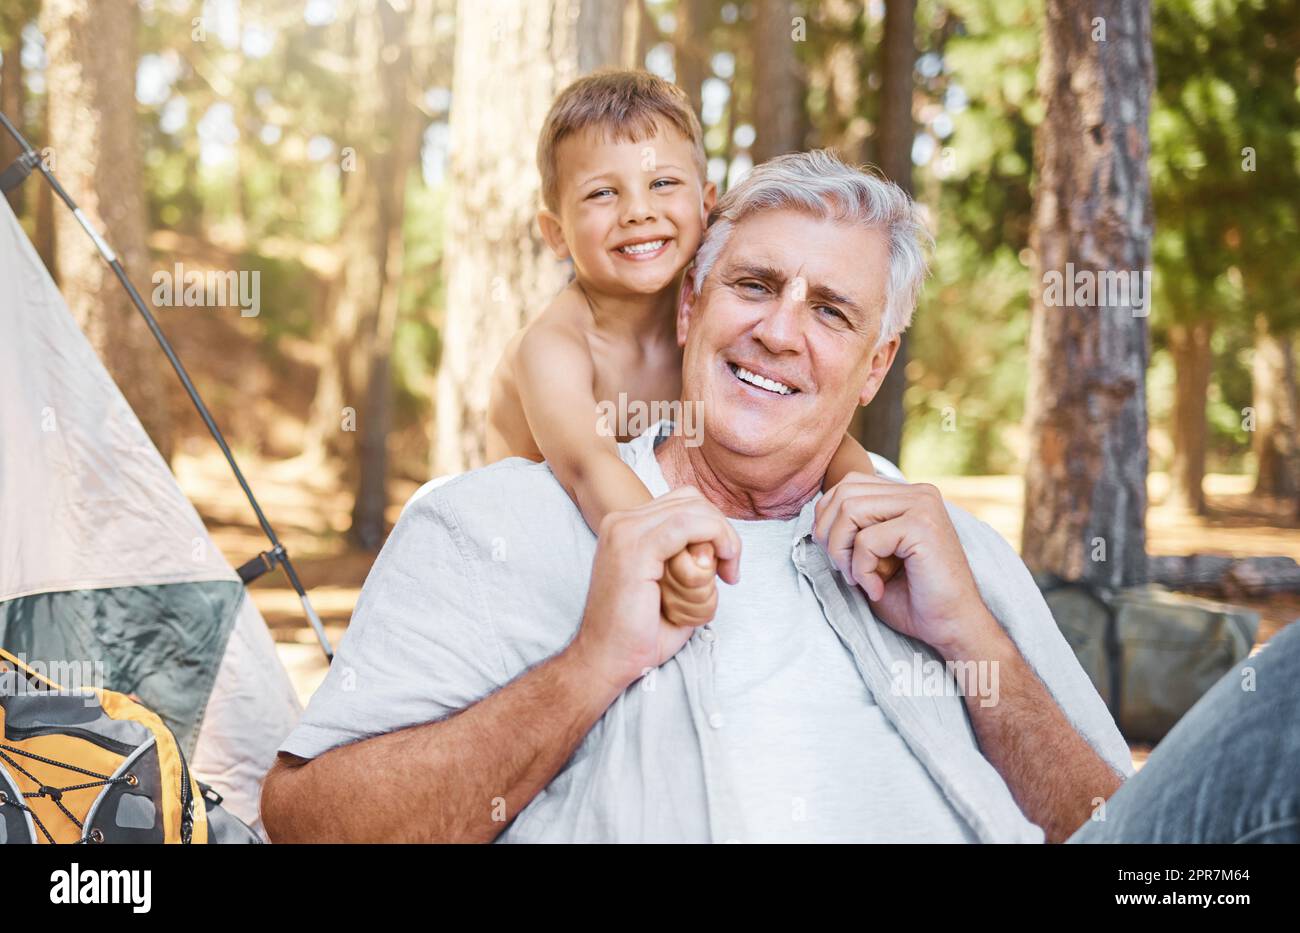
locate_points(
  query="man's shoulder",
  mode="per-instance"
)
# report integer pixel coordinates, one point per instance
(511, 487)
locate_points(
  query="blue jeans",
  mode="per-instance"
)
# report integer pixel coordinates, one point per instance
(1229, 771)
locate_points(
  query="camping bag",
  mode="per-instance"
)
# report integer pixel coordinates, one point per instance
(94, 766)
(1150, 653)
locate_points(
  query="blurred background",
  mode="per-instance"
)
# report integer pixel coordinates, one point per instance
(372, 161)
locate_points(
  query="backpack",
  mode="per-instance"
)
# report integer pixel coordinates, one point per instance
(1150, 653)
(88, 765)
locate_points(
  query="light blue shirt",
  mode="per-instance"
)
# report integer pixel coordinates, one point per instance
(487, 576)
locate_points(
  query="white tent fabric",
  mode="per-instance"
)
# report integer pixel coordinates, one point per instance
(87, 503)
(252, 709)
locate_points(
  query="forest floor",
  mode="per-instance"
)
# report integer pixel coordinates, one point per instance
(311, 516)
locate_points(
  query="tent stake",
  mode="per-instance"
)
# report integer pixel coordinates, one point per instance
(28, 160)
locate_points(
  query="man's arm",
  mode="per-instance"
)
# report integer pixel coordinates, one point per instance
(447, 780)
(1026, 736)
(461, 779)
(1053, 773)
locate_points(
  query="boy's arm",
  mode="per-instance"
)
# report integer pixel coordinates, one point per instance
(850, 457)
(555, 376)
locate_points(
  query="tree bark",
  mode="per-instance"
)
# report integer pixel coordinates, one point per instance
(778, 101)
(512, 58)
(1085, 482)
(690, 50)
(12, 97)
(353, 407)
(1189, 344)
(879, 426)
(90, 86)
(1277, 451)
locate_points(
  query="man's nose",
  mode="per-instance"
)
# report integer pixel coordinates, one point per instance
(780, 329)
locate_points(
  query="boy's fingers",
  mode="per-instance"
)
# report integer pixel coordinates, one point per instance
(696, 609)
(888, 566)
(703, 554)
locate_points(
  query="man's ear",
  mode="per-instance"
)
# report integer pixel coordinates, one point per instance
(553, 233)
(710, 197)
(686, 299)
(881, 360)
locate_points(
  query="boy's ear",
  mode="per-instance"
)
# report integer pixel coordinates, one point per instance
(881, 360)
(710, 198)
(553, 233)
(686, 297)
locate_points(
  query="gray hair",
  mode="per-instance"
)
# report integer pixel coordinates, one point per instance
(820, 184)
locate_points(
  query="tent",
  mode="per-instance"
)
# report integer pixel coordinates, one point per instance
(104, 563)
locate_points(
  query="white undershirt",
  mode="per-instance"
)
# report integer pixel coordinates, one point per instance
(813, 757)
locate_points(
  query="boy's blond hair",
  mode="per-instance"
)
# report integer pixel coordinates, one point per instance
(627, 105)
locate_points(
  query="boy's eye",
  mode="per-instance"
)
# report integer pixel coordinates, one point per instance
(600, 191)
(662, 183)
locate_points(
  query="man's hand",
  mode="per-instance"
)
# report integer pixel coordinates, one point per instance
(624, 632)
(865, 520)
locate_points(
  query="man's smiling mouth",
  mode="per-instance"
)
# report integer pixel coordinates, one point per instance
(761, 382)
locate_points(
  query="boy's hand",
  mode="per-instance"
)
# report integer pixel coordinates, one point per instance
(688, 592)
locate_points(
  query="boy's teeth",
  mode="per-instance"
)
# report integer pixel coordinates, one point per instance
(641, 247)
(780, 388)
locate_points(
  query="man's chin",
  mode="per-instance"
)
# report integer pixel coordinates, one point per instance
(750, 433)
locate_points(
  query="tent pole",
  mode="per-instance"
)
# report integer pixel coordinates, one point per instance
(29, 160)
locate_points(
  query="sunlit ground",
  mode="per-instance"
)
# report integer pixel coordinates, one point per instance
(311, 517)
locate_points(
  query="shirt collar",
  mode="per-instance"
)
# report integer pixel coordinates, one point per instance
(643, 448)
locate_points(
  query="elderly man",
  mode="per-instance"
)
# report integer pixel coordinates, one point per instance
(508, 676)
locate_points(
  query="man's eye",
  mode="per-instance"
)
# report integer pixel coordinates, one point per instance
(752, 285)
(833, 312)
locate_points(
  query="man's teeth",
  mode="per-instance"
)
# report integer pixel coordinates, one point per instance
(648, 247)
(780, 388)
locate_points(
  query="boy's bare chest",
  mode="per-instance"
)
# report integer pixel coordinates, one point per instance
(654, 379)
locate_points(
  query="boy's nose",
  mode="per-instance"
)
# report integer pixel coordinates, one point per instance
(638, 211)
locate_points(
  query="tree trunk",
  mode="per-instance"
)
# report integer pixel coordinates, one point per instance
(12, 97)
(691, 51)
(779, 121)
(90, 86)
(1277, 451)
(1189, 344)
(879, 426)
(512, 58)
(353, 406)
(1085, 482)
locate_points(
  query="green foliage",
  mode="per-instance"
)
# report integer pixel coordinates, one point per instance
(968, 343)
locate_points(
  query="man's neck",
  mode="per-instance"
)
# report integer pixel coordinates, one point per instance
(740, 486)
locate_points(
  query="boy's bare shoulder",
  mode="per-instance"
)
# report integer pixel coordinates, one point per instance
(561, 327)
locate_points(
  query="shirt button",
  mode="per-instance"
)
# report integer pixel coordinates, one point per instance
(716, 720)
(707, 634)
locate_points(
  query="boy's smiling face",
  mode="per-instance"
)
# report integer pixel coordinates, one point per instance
(630, 214)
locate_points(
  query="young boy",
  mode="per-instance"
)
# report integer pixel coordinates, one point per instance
(626, 198)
